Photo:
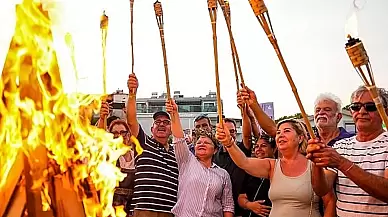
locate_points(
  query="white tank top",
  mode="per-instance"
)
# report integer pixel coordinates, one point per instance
(292, 196)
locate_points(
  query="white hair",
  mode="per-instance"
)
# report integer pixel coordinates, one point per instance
(383, 94)
(331, 97)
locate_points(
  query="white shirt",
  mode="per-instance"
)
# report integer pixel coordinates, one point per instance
(371, 156)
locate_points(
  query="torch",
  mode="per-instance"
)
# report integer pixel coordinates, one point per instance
(212, 6)
(236, 60)
(133, 57)
(104, 32)
(70, 44)
(261, 12)
(159, 18)
(360, 60)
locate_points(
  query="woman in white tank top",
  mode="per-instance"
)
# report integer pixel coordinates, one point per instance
(291, 191)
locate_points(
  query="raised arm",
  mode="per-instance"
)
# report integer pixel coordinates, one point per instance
(254, 126)
(182, 152)
(246, 123)
(131, 105)
(256, 167)
(104, 112)
(265, 122)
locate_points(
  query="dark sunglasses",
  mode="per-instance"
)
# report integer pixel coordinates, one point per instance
(164, 122)
(369, 106)
(121, 133)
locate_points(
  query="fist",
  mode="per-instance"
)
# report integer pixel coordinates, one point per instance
(105, 109)
(248, 95)
(132, 83)
(171, 107)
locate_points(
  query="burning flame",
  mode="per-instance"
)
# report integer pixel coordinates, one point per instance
(351, 26)
(35, 112)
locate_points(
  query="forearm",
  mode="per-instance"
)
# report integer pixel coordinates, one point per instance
(255, 128)
(228, 214)
(100, 123)
(176, 126)
(243, 201)
(265, 122)
(374, 185)
(132, 115)
(319, 181)
(246, 131)
(329, 201)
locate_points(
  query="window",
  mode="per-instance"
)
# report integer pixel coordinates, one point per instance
(141, 108)
(209, 107)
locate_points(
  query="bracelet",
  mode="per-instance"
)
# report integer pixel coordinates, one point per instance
(350, 167)
(231, 143)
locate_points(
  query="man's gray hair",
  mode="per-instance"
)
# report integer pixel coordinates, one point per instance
(383, 94)
(329, 96)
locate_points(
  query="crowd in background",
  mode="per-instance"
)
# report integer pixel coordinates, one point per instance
(276, 170)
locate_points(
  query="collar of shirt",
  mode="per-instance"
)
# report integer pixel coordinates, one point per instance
(170, 147)
(342, 135)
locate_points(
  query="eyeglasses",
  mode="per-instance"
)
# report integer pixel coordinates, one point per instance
(164, 122)
(121, 133)
(369, 106)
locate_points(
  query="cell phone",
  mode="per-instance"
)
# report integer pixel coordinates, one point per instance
(116, 105)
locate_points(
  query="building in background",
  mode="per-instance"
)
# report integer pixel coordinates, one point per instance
(189, 108)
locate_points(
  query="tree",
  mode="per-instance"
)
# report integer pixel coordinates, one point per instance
(347, 107)
(295, 116)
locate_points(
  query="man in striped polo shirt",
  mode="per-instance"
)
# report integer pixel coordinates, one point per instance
(359, 164)
(156, 178)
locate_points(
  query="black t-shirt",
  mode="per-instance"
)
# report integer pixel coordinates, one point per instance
(237, 175)
(255, 189)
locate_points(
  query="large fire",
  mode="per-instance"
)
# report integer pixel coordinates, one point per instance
(35, 113)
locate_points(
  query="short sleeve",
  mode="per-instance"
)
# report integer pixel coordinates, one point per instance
(141, 136)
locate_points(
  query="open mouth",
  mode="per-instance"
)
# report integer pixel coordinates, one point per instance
(201, 148)
(321, 119)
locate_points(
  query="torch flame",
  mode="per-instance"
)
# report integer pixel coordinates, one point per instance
(351, 26)
(35, 112)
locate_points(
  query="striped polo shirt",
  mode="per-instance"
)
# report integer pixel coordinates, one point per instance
(156, 177)
(371, 156)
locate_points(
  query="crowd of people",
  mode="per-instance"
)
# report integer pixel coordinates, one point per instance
(276, 171)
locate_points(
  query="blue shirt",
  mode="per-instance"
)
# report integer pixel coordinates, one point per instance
(343, 135)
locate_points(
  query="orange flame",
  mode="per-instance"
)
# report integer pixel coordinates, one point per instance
(35, 112)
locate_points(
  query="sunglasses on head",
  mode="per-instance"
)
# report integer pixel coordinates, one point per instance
(199, 117)
(369, 106)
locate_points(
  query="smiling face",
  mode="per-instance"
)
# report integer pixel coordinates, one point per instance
(287, 137)
(204, 148)
(263, 149)
(326, 114)
(161, 127)
(364, 114)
